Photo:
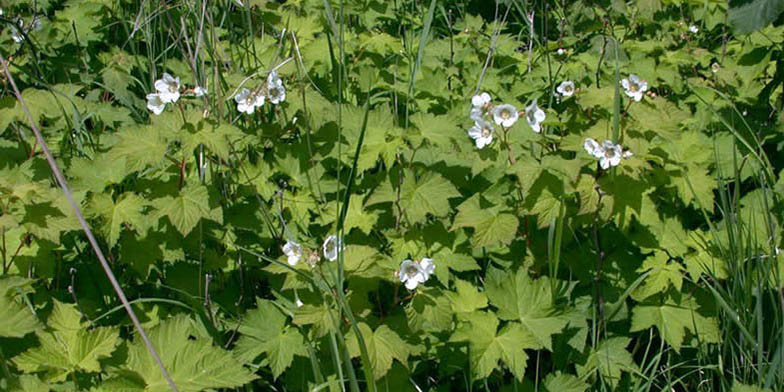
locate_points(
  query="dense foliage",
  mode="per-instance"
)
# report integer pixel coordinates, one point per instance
(336, 195)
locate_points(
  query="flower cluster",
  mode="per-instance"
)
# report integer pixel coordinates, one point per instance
(168, 90)
(248, 100)
(608, 153)
(413, 273)
(634, 87)
(504, 115)
(294, 251)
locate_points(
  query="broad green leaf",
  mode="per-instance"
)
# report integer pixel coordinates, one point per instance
(547, 208)
(112, 171)
(520, 298)
(184, 211)
(673, 319)
(664, 273)
(429, 311)
(740, 387)
(264, 331)
(610, 359)
(487, 345)
(139, 147)
(428, 194)
(490, 226)
(16, 319)
(467, 299)
(755, 14)
(383, 346)
(68, 346)
(127, 210)
(563, 382)
(193, 363)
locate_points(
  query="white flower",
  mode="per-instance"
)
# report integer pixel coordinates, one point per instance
(36, 24)
(476, 114)
(566, 88)
(155, 103)
(298, 303)
(16, 31)
(611, 155)
(480, 100)
(560, 51)
(169, 88)
(535, 116)
(275, 90)
(331, 246)
(694, 29)
(505, 115)
(593, 148)
(294, 252)
(199, 91)
(482, 133)
(634, 86)
(1, 12)
(413, 273)
(247, 101)
(715, 67)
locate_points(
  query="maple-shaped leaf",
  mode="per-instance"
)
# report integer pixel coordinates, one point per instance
(467, 299)
(383, 345)
(673, 318)
(429, 311)
(86, 177)
(190, 205)
(563, 382)
(193, 363)
(490, 225)
(68, 345)
(127, 210)
(264, 331)
(663, 273)
(139, 147)
(16, 319)
(428, 194)
(487, 345)
(529, 301)
(611, 359)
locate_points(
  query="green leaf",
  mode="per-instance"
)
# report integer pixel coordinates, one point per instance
(520, 298)
(546, 208)
(127, 210)
(663, 273)
(755, 15)
(467, 299)
(89, 179)
(740, 387)
(428, 194)
(264, 330)
(193, 363)
(383, 346)
(563, 382)
(487, 346)
(673, 318)
(490, 226)
(68, 346)
(139, 147)
(16, 319)
(186, 209)
(611, 359)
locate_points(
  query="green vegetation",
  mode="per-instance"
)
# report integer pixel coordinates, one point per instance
(370, 195)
